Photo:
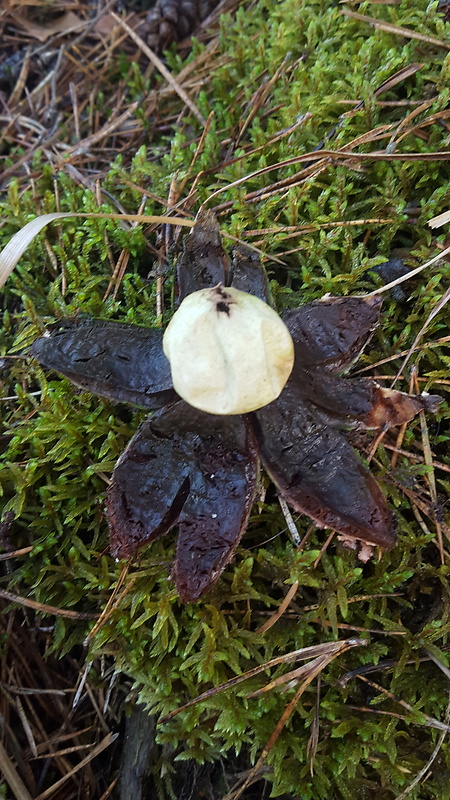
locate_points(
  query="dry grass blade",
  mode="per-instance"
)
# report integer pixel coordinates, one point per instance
(280, 610)
(367, 669)
(416, 458)
(23, 551)
(313, 669)
(438, 663)
(406, 121)
(439, 220)
(299, 230)
(427, 766)
(374, 135)
(106, 742)
(291, 526)
(162, 68)
(257, 250)
(324, 548)
(313, 741)
(235, 794)
(114, 123)
(398, 77)
(396, 29)
(428, 458)
(44, 607)
(27, 729)
(343, 155)
(14, 782)
(122, 263)
(428, 721)
(435, 311)
(317, 162)
(17, 245)
(406, 277)
(260, 98)
(327, 649)
(44, 714)
(82, 678)
(290, 677)
(401, 433)
(198, 151)
(110, 605)
(442, 340)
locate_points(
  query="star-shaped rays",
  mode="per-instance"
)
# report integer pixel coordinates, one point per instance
(198, 471)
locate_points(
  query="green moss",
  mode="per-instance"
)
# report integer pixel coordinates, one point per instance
(60, 444)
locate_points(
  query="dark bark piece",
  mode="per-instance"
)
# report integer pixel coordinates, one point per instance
(204, 262)
(123, 362)
(248, 274)
(361, 400)
(139, 752)
(188, 467)
(389, 271)
(318, 473)
(331, 333)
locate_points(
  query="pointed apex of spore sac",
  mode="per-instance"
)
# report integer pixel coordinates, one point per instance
(229, 352)
(222, 299)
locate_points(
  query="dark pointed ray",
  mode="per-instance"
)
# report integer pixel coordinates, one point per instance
(331, 333)
(188, 467)
(248, 274)
(317, 471)
(204, 262)
(361, 400)
(123, 362)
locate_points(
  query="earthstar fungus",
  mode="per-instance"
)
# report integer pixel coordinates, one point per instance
(198, 470)
(229, 352)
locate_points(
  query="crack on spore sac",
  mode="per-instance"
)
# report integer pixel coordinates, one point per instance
(224, 307)
(223, 301)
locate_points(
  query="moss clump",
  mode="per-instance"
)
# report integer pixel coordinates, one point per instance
(331, 228)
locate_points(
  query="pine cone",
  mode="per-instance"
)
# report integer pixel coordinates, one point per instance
(172, 20)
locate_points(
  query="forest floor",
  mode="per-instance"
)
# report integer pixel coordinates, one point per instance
(318, 134)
